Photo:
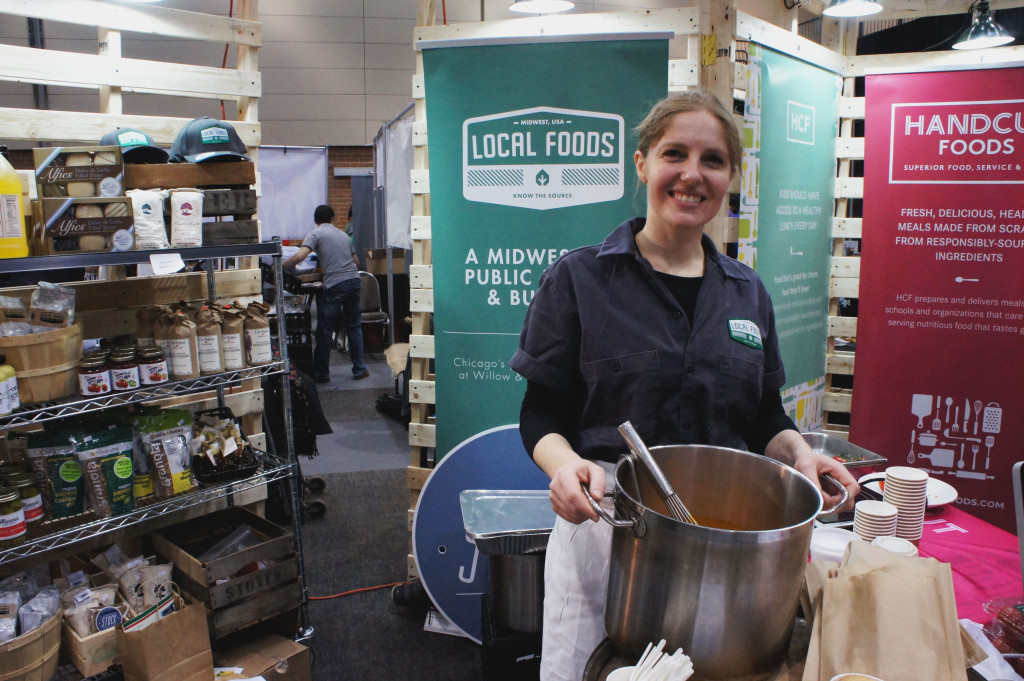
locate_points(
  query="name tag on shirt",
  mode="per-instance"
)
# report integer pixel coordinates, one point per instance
(746, 332)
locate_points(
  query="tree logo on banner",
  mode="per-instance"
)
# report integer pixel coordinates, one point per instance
(543, 158)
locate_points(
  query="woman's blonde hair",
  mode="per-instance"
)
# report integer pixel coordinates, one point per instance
(653, 126)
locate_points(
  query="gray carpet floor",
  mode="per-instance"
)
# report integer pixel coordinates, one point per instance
(362, 542)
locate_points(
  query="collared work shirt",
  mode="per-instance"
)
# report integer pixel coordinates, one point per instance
(602, 325)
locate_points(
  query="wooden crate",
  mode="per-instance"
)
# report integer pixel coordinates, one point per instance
(233, 601)
(227, 189)
(92, 654)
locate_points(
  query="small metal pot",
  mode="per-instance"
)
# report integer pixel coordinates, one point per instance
(727, 597)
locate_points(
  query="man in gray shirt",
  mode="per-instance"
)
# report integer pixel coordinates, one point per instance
(339, 299)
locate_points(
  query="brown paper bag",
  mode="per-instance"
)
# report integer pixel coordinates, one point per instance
(889, 616)
(177, 648)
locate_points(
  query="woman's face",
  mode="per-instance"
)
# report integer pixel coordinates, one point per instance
(687, 172)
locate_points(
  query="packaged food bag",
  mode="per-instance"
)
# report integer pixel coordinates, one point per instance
(106, 458)
(186, 217)
(258, 350)
(148, 212)
(58, 471)
(183, 359)
(208, 337)
(232, 337)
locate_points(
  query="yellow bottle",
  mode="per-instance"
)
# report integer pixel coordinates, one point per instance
(8, 401)
(13, 241)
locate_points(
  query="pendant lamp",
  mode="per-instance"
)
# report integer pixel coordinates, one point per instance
(852, 8)
(540, 6)
(983, 31)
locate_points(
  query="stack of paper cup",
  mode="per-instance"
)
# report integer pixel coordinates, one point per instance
(906, 489)
(874, 519)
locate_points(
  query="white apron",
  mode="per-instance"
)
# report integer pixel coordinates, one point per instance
(575, 590)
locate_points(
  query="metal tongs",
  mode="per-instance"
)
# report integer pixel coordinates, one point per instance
(639, 449)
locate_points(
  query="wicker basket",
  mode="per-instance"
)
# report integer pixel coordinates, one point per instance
(47, 362)
(32, 656)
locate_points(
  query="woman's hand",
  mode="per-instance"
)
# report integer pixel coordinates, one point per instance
(567, 471)
(790, 448)
(567, 499)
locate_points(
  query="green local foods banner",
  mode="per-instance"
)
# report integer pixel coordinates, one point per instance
(531, 155)
(790, 126)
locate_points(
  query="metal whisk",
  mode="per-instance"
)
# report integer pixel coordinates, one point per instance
(639, 449)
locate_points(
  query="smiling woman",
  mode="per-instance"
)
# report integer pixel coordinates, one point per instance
(656, 327)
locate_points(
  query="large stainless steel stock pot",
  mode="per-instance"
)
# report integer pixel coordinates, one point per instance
(725, 591)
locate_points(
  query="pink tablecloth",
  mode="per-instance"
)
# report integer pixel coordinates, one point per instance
(985, 559)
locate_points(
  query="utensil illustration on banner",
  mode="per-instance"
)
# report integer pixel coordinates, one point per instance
(956, 420)
(977, 415)
(993, 418)
(960, 463)
(910, 457)
(974, 450)
(936, 424)
(961, 280)
(989, 441)
(921, 406)
(949, 403)
(940, 457)
(967, 413)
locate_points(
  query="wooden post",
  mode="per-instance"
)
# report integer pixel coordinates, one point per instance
(717, 28)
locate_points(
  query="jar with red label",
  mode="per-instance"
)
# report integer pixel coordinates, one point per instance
(124, 369)
(27, 487)
(93, 376)
(152, 365)
(12, 518)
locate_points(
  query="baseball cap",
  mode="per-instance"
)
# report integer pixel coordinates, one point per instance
(207, 139)
(136, 146)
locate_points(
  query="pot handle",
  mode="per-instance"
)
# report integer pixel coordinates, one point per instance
(605, 515)
(846, 495)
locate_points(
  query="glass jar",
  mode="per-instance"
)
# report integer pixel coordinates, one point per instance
(28, 489)
(93, 376)
(124, 369)
(12, 518)
(152, 365)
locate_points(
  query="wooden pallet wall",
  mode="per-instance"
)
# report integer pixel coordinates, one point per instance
(106, 306)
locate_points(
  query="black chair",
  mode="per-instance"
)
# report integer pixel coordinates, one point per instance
(372, 310)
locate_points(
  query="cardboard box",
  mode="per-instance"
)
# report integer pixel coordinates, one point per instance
(377, 261)
(88, 225)
(236, 594)
(79, 172)
(273, 657)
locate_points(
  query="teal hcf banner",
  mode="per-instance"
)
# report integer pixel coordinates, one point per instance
(531, 155)
(790, 125)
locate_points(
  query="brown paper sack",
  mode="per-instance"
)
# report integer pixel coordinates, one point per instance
(176, 648)
(888, 616)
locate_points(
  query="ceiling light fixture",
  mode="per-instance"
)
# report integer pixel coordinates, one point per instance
(852, 8)
(983, 31)
(540, 6)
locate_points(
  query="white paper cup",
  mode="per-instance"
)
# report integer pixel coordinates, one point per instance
(850, 676)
